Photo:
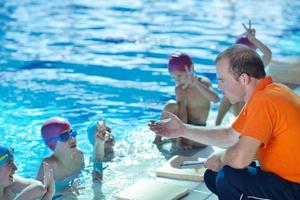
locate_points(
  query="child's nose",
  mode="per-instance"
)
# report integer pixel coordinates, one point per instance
(72, 138)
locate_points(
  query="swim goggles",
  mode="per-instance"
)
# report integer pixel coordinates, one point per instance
(63, 137)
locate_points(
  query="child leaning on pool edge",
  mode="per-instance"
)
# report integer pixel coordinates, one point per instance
(67, 160)
(100, 136)
(13, 187)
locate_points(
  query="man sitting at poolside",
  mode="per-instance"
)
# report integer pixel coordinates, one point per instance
(267, 129)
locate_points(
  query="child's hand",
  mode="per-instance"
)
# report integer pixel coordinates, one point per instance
(192, 79)
(48, 180)
(109, 140)
(75, 187)
(101, 130)
(104, 134)
(250, 32)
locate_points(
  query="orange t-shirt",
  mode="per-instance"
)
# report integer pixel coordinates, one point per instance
(272, 116)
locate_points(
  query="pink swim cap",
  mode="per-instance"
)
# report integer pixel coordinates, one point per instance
(52, 128)
(178, 61)
(243, 39)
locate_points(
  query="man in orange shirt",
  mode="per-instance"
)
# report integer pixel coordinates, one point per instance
(267, 128)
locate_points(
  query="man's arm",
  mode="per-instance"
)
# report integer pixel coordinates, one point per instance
(220, 137)
(173, 127)
(238, 156)
(241, 154)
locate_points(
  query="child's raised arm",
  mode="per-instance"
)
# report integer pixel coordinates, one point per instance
(267, 53)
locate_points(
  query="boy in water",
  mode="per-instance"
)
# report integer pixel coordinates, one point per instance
(18, 188)
(193, 96)
(67, 160)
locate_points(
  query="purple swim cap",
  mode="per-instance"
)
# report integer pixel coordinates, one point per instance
(243, 39)
(52, 128)
(178, 61)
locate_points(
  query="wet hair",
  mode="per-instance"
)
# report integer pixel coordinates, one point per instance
(243, 60)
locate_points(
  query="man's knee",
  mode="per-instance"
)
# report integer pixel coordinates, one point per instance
(210, 180)
(210, 177)
(227, 177)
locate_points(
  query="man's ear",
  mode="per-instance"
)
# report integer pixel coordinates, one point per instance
(245, 79)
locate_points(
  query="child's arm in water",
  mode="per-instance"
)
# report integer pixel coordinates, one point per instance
(267, 53)
(103, 140)
(34, 189)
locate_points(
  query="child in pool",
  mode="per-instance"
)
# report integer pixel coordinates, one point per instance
(67, 160)
(17, 188)
(193, 96)
(99, 135)
(248, 39)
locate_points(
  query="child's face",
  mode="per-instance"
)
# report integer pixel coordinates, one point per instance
(6, 173)
(179, 76)
(69, 142)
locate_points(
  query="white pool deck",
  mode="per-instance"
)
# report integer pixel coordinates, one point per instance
(198, 190)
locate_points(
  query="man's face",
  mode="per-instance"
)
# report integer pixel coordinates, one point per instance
(233, 89)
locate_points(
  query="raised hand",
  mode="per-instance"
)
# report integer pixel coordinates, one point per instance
(48, 181)
(250, 31)
(101, 130)
(191, 77)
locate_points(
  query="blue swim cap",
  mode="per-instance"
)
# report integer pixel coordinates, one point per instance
(91, 131)
(5, 155)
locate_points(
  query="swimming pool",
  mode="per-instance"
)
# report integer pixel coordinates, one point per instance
(88, 60)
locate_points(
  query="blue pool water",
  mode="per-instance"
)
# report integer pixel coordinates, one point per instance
(86, 60)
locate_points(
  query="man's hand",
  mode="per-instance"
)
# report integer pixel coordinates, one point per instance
(171, 126)
(214, 162)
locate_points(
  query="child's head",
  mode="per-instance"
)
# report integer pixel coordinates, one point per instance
(178, 62)
(56, 129)
(92, 131)
(243, 39)
(7, 166)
